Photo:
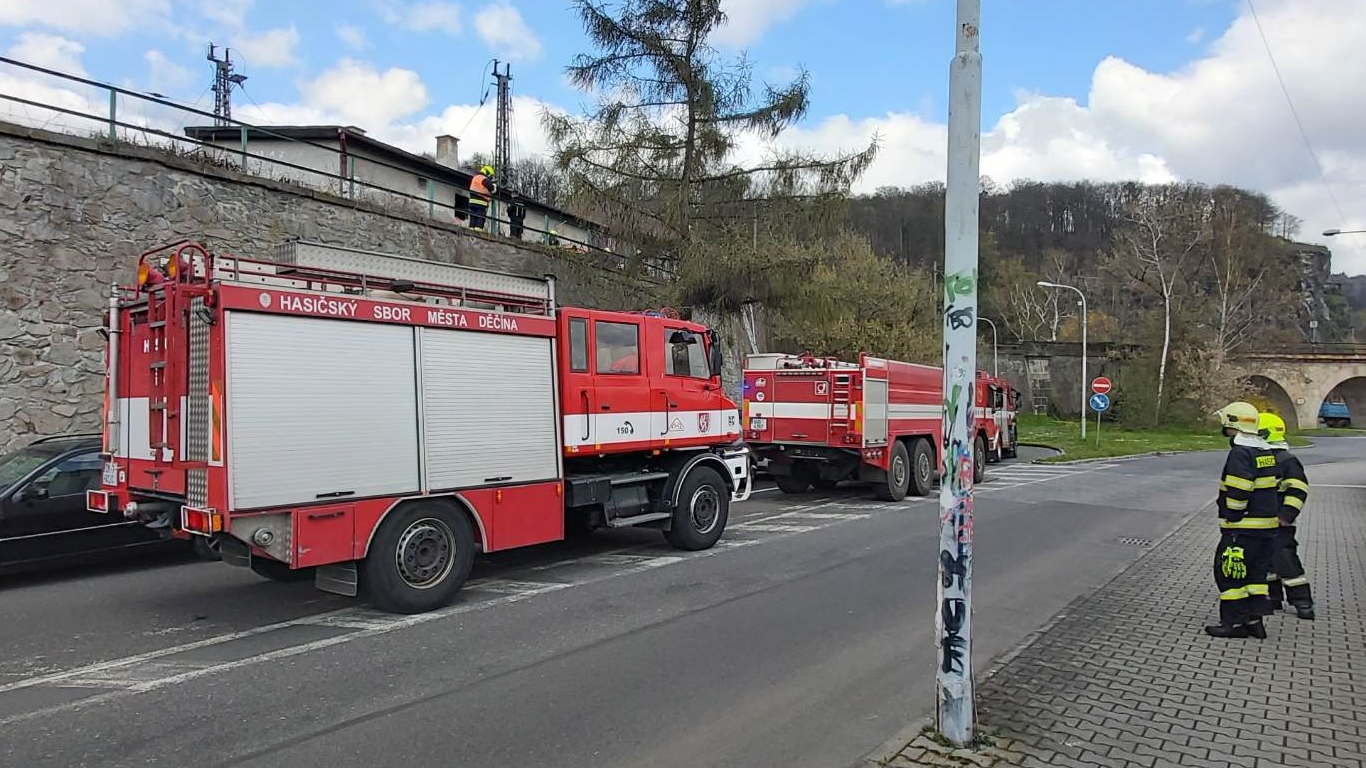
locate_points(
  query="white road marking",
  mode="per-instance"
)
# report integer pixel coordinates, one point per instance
(145, 672)
(779, 528)
(149, 671)
(1326, 485)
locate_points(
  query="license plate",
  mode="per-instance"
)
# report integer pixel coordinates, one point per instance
(758, 424)
(111, 473)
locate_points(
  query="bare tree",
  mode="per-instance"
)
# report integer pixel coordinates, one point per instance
(1030, 313)
(1164, 231)
(1243, 272)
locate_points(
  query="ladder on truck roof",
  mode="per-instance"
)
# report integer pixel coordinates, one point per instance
(306, 265)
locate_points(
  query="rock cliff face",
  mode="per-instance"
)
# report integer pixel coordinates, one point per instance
(75, 213)
(1321, 299)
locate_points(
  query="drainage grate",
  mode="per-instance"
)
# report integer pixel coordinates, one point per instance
(1136, 542)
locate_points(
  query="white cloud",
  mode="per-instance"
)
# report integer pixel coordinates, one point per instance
(90, 17)
(1196, 35)
(353, 36)
(1220, 119)
(49, 51)
(166, 76)
(360, 94)
(93, 17)
(232, 13)
(506, 33)
(424, 16)
(271, 48)
(748, 20)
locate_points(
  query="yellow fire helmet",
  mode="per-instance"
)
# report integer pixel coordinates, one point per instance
(1272, 426)
(1240, 416)
(486, 170)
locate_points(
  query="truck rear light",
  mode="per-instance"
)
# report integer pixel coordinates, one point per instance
(205, 522)
(97, 501)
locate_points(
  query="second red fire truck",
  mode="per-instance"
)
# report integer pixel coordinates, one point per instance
(372, 421)
(819, 421)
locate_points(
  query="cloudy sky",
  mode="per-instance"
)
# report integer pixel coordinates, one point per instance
(1098, 89)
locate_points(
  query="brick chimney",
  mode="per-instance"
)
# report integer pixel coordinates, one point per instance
(448, 151)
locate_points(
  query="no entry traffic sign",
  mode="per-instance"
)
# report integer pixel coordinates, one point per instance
(1100, 385)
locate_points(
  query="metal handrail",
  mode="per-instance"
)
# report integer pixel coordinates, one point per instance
(330, 178)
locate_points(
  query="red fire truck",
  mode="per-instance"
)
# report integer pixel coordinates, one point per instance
(373, 421)
(819, 421)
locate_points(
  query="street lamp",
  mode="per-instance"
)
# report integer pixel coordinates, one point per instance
(995, 365)
(1046, 284)
(1336, 232)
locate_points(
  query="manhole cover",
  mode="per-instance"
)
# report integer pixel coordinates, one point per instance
(1136, 542)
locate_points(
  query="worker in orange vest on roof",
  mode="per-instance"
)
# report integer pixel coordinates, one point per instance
(482, 187)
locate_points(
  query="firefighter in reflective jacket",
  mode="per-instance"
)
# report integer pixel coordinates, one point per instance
(482, 188)
(1287, 580)
(1248, 507)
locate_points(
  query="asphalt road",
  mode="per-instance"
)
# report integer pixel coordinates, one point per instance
(806, 640)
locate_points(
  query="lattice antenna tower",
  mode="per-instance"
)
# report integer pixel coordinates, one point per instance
(502, 131)
(223, 81)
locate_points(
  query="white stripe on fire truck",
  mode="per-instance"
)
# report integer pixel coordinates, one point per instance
(903, 411)
(643, 426)
(134, 424)
(771, 410)
(774, 410)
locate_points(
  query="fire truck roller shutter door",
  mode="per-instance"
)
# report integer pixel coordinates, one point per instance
(488, 404)
(319, 407)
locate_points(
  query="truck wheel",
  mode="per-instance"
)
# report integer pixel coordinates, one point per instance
(799, 481)
(922, 468)
(824, 484)
(702, 510)
(278, 571)
(420, 557)
(899, 471)
(979, 460)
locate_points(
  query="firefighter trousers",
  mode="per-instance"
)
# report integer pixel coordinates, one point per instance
(1287, 581)
(1241, 564)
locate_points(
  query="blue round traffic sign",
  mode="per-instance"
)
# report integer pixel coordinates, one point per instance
(1100, 402)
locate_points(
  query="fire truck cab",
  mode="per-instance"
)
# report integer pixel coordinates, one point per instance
(997, 406)
(372, 421)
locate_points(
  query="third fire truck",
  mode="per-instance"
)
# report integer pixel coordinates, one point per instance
(372, 421)
(819, 421)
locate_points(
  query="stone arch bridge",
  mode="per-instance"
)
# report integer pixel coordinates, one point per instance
(1295, 380)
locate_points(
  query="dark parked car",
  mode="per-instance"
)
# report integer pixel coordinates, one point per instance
(43, 518)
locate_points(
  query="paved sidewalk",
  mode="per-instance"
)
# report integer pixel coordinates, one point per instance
(1127, 677)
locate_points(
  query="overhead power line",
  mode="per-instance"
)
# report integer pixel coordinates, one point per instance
(1294, 112)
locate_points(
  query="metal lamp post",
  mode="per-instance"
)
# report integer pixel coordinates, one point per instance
(995, 363)
(1046, 284)
(1336, 232)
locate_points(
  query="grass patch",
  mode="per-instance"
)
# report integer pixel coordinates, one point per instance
(1334, 432)
(1121, 441)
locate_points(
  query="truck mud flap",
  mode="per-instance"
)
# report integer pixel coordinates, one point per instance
(738, 463)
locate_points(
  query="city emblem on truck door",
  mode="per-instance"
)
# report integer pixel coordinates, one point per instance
(703, 422)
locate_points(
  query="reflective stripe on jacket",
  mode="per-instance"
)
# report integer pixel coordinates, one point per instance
(1248, 490)
(1293, 485)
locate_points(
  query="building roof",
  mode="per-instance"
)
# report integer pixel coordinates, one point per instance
(357, 137)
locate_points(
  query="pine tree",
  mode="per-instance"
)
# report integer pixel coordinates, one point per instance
(655, 159)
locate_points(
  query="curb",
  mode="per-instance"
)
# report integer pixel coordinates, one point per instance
(892, 747)
(888, 750)
(1124, 457)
